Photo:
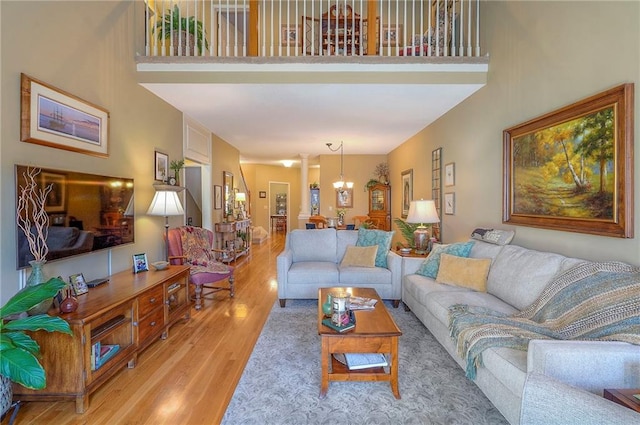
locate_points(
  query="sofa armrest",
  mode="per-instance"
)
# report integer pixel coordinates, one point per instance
(283, 264)
(394, 264)
(590, 365)
(411, 265)
(548, 401)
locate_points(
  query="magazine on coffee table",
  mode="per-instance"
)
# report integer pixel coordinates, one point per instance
(357, 361)
(362, 303)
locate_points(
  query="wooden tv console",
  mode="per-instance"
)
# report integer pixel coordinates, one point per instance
(131, 311)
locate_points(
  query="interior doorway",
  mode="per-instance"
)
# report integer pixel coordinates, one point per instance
(279, 206)
(193, 195)
(232, 37)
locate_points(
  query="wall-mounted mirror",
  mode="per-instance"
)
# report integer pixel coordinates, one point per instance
(227, 186)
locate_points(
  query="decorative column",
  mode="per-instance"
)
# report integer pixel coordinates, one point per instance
(304, 188)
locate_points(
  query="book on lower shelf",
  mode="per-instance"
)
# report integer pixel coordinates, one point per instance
(356, 361)
(101, 353)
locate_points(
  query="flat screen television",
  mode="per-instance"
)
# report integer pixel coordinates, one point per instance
(87, 212)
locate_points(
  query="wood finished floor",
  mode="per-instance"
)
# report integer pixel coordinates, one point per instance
(190, 377)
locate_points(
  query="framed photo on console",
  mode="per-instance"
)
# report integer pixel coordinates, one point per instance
(78, 284)
(140, 263)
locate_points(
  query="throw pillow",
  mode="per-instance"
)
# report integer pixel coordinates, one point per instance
(467, 272)
(498, 237)
(380, 238)
(360, 256)
(430, 265)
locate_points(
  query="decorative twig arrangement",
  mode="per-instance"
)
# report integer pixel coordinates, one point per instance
(31, 215)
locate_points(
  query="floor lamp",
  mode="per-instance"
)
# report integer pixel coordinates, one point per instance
(166, 203)
(421, 212)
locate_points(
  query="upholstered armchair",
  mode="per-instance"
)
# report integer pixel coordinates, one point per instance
(193, 246)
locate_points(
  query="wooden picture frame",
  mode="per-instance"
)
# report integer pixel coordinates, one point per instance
(161, 166)
(140, 263)
(52, 117)
(56, 201)
(291, 35)
(450, 174)
(572, 169)
(217, 197)
(78, 284)
(450, 203)
(344, 198)
(391, 35)
(407, 191)
(262, 194)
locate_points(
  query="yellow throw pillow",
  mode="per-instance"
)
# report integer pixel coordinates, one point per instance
(360, 256)
(467, 272)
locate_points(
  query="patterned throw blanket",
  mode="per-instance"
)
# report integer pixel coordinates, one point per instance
(591, 301)
(198, 253)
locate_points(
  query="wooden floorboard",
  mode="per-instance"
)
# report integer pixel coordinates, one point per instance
(190, 377)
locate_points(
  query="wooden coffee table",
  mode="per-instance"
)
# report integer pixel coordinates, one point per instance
(624, 397)
(375, 332)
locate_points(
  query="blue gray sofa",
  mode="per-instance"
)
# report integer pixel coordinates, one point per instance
(516, 278)
(311, 260)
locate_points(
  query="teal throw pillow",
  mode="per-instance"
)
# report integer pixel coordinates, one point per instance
(431, 264)
(370, 237)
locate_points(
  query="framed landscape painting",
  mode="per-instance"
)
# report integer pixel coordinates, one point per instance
(52, 117)
(572, 169)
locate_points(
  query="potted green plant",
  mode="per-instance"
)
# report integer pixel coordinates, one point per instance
(176, 165)
(407, 230)
(18, 351)
(172, 24)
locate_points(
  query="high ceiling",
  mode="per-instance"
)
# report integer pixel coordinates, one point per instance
(271, 122)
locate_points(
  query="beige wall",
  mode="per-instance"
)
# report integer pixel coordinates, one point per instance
(357, 168)
(97, 67)
(544, 55)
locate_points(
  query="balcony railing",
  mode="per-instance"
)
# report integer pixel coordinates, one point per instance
(286, 28)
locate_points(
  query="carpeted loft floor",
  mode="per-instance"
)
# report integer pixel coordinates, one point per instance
(281, 382)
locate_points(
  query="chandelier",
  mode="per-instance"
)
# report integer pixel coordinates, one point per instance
(340, 185)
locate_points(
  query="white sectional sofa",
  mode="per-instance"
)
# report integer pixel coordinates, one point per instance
(516, 278)
(311, 260)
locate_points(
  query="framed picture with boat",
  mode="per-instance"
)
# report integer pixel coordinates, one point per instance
(52, 117)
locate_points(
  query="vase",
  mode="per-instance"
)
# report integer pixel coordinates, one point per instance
(69, 304)
(327, 308)
(37, 277)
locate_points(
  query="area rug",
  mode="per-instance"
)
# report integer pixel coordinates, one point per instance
(281, 382)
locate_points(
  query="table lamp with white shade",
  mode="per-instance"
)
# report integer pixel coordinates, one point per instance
(422, 212)
(165, 203)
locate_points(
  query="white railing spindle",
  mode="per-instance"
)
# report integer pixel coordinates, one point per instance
(429, 28)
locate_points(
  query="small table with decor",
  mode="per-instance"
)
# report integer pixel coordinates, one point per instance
(625, 397)
(375, 332)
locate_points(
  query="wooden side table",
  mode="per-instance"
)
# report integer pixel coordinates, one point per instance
(624, 397)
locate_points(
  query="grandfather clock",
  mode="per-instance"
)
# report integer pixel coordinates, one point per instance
(380, 206)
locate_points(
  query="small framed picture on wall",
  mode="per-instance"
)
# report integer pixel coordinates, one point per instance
(449, 203)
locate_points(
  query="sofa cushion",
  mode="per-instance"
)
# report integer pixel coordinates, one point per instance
(485, 250)
(421, 287)
(361, 275)
(319, 245)
(431, 264)
(467, 272)
(313, 273)
(381, 238)
(438, 303)
(508, 365)
(519, 275)
(345, 238)
(360, 256)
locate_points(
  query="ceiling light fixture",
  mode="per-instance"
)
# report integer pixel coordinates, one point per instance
(287, 163)
(340, 185)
